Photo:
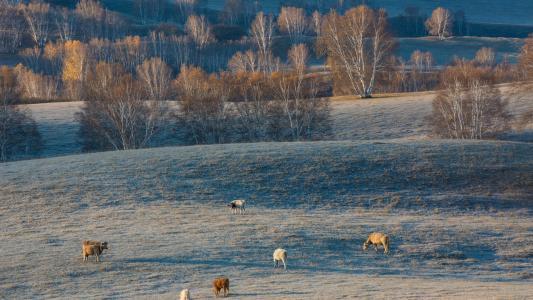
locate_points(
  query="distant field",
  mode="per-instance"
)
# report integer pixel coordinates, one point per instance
(458, 214)
(444, 51)
(516, 12)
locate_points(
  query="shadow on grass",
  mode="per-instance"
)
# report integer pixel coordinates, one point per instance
(266, 266)
(286, 293)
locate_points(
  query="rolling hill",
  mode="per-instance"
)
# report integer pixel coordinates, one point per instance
(458, 213)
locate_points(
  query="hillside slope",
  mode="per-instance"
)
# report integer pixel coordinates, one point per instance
(452, 210)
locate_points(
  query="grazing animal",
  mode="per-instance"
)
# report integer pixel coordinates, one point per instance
(280, 255)
(376, 239)
(238, 206)
(185, 295)
(95, 248)
(221, 283)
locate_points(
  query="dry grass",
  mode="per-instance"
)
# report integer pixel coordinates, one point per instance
(458, 229)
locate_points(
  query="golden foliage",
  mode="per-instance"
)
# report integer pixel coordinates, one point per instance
(74, 64)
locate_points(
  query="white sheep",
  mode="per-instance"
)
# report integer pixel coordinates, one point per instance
(237, 206)
(185, 295)
(280, 255)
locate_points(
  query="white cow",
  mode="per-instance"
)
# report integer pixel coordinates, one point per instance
(238, 206)
(280, 255)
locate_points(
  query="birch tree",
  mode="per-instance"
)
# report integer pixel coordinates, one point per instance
(203, 111)
(185, 8)
(11, 27)
(485, 57)
(358, 46)
(198, 30)
(65, 22)
(244, 62)
(301, 111)
(155, 78)
(293, 22)
(440, 23)
(470, 106)
(316, 22)
(262, 30)
(37, 16)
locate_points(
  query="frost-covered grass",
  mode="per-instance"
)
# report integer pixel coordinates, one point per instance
(459, 216)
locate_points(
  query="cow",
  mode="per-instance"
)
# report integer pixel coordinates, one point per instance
(280, 255)
(185, 295)
(221, 283)
(376, 239)
(95, 248)
(237, 206)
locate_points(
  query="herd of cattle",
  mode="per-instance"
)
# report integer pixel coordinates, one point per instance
(221, 284)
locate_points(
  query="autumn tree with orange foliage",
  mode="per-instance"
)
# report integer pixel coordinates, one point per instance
(74, 68)
(35, 86)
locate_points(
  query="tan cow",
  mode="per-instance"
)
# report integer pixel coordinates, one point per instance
(376, 239)
(95, 248)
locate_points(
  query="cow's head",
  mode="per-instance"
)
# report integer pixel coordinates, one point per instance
(104, 245)
(365, 245)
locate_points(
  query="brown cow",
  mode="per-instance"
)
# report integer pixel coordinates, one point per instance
(95, 248)
(221, 283)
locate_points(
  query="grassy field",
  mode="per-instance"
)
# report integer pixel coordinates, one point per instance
(459, 217)
(463, 47)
